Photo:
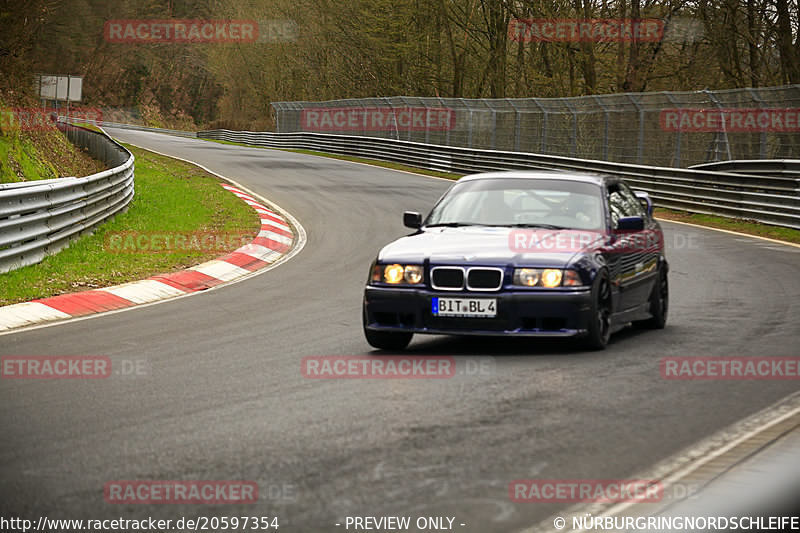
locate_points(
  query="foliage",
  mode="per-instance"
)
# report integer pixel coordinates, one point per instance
(359, 48)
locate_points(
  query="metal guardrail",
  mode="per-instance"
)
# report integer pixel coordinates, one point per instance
(768, 199)
(180, 133)
(39, 218)
(769, 167)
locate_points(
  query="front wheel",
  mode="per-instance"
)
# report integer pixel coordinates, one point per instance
(386, 340)
(600, 322)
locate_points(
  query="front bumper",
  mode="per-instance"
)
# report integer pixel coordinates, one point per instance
(554, 313)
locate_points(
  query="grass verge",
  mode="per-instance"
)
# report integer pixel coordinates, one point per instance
(39, 154)
(749, 227)
(172, 199)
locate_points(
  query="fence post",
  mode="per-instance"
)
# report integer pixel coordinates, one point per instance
(405, 103)
(762, 138)
(494, 125)
(574, 140)
(717, 135)
(469, 133)
(363, 121)
(544, 124)
(599, 101)
(427, 122)
(640, 140)
(394, 118)
(677, 134)
(447, 130)
(517, 124)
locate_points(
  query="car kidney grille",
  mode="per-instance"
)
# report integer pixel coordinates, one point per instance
(484, 279)
(447, 278)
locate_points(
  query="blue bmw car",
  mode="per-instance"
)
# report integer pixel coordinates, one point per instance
(534, 253)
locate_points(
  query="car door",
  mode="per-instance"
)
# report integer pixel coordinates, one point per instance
(649, 243)
(635, 267)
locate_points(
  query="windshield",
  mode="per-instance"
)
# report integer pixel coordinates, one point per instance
(522, 203)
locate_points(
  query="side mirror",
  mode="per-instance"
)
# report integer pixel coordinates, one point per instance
(646, 201)
(630, 224)
(412, 219)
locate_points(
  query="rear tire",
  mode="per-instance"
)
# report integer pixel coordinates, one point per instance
(600, 323)
(659, 304)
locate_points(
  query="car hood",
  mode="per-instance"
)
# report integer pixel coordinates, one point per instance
(487, 246)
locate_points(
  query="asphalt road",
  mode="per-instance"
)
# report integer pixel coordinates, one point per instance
(223, 397)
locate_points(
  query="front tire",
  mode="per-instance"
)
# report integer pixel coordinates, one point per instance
(600, 322)
(386, 340)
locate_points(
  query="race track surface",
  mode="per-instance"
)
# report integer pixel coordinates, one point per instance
(223, 397)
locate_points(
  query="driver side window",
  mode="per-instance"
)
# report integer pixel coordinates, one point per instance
(636, 207)
(623, 203)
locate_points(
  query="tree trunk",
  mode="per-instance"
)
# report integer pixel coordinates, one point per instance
(789, 59)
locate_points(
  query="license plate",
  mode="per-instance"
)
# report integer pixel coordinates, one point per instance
(464, 307)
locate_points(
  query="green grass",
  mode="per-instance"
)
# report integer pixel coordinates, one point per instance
(732, 224)
(39, 153)
(19, 154)
(172, 197)
(88, 126)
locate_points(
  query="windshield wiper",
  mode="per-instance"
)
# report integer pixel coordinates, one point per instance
(451, 225)
(544, 226)
(519, 225)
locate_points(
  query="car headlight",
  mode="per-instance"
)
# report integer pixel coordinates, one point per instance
(526, 276)
(546, 277)
(393, 274)
(413, 274)
(551, 277)
(396, 274)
